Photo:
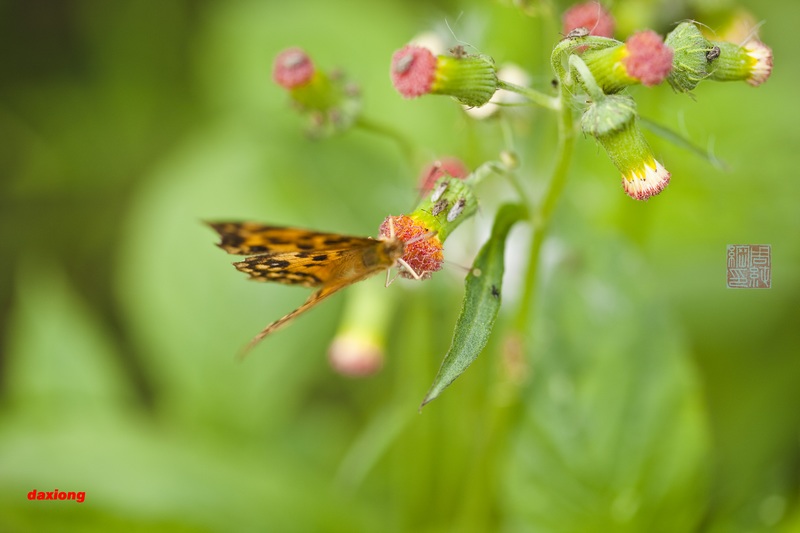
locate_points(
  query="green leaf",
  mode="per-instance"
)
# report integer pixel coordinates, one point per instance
(612, 434)
(682, 142)
(481, 303)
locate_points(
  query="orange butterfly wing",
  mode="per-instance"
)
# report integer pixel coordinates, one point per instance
(303, 257)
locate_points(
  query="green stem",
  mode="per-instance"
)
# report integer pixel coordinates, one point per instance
(406, 147)
(502, 415)
(542, 216)
(511, 170)
(589, 83)
(503, 412)
(548, 102)
(566, 47)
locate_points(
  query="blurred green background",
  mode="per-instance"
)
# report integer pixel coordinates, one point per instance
(651, 398)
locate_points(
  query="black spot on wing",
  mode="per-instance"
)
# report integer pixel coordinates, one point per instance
(337, 240)
(261, 271)
(321, 257)
(234, 237)
(262, 263)
(231, 239)
(276, 263)
(229, 234)
(303, 278)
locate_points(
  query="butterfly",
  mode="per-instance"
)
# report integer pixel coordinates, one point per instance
(309, 258)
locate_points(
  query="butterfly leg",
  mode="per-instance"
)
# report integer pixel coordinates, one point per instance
(410, 270)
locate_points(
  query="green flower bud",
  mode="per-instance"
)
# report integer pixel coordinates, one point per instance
(331, 103)
(751, 62)
(693, 58)
(612, 121)
(643, 58)
(470, 79)
(424, 231)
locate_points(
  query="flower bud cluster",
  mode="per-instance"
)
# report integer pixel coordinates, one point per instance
(444, 207)
(698, 59)
(684, 58)
(331, 103)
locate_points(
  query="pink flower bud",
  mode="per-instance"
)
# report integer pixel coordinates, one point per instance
(649, 60)
(413, 71)
(589, 15)
(292, 68)
(446, 166)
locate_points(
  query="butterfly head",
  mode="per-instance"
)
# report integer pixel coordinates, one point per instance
(417, 249)
(393, 248)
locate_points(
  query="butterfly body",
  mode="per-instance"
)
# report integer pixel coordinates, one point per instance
(296, 256)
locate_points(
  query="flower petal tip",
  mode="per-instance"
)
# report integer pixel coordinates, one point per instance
(762, 55)
(643, 185)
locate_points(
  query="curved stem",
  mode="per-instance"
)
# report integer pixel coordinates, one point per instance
(589, 83)
(406, 147)
(511, 168)
(542, 216)
(538, 98)
(568, 45)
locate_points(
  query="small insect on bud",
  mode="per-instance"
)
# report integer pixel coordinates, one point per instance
(643, 58)
(612, 121)
(424, 231)
(590, 18)
(577, 32)
(451, 201)
(470, 79)
(751, 62)
(457, 209)
(693, 57)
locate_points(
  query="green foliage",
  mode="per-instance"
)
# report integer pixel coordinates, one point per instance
(484, 284)
(613, 432)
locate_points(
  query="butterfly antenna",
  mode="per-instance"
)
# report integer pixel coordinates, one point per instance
(459, 266)
(423, 237)
(459, 41)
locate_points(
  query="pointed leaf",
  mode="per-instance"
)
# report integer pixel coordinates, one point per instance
(481, 303)
(682, 142)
